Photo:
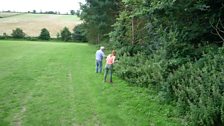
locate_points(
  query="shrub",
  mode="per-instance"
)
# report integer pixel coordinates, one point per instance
(32, 38)
(65, 34)
(44, 35)
(18, 33)
(58, 36)
(4, 36)
(141, 71)
(199, 90)
(79, 33)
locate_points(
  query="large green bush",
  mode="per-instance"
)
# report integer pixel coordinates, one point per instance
(44, 35)
(79, 33)
(140, 71)
(66, 34)
(18, 33)
(199, 91)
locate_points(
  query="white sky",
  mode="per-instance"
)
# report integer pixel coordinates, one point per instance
(62, 6)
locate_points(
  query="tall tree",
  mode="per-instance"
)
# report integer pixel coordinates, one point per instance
(99, 16)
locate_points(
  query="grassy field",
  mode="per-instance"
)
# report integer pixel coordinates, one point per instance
(33, 23)
(7, 14)
(55, 84)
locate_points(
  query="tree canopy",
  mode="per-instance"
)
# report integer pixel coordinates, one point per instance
(99, 15)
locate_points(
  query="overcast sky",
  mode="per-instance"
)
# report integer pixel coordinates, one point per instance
(62, 6)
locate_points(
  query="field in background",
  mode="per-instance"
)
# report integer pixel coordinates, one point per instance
(8, 14)
(32, 24)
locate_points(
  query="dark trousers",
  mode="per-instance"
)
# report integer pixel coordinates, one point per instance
(108, 68)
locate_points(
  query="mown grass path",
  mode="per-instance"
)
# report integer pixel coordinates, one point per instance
(55, 84)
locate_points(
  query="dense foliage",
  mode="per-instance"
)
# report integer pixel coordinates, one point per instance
(174, 47)
(66, 34)
(99, 15)
(44, 35)
(79, 33)
(198, 89)
(18, 33)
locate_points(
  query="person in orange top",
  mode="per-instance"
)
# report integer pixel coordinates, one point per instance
(109, 65)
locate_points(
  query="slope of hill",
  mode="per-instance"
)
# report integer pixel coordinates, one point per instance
(32, 24)
(9, 14)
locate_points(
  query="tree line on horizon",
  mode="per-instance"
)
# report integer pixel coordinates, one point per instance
(72, 12)
(173, 47)
(65, 35)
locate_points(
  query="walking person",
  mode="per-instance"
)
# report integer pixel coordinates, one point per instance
(99, 58)
(109, 65)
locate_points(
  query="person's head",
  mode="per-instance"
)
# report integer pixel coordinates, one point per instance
(102, 48)
(113, 52)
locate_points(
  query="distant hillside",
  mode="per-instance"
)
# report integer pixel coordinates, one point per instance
(33, 23)
(5, 14)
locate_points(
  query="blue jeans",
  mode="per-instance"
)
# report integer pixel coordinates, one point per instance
(107, 69)
(98, 66)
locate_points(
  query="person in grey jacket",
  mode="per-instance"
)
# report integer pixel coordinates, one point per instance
(99, 58)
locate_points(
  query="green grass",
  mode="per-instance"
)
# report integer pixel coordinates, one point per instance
(52, 84)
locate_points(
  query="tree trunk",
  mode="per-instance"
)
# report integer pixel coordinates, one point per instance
(133, 30)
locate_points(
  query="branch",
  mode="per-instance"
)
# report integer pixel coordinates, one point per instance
(219, 34)
(218, 30)
(214, 33)
(221, 24)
